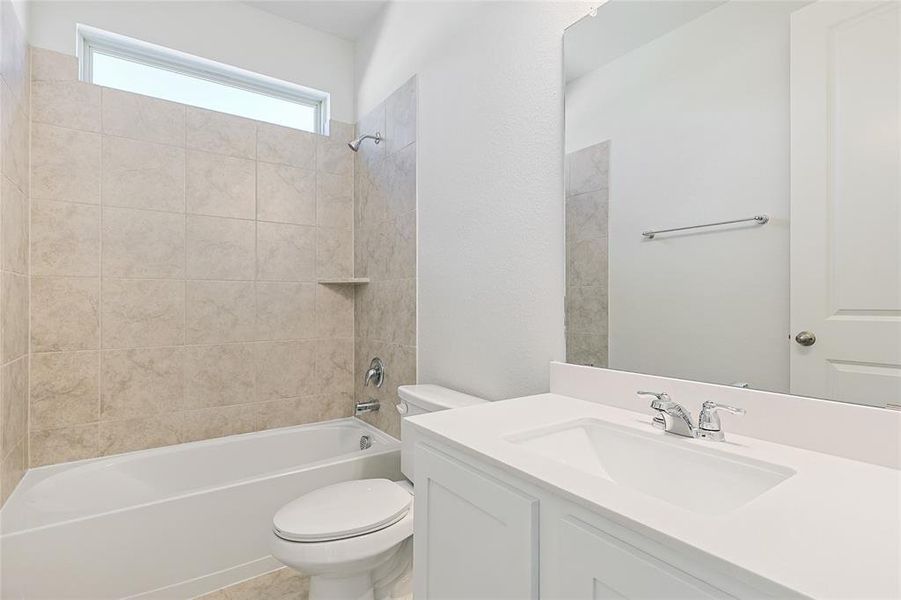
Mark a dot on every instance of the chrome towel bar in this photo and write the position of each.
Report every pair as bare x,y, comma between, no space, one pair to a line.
760,219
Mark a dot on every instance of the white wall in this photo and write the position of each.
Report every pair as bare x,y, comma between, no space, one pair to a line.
490,258
229,32
699,128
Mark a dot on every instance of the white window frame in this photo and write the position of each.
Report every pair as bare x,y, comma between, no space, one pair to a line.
90,39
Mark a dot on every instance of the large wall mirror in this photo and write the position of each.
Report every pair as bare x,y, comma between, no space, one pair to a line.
733,194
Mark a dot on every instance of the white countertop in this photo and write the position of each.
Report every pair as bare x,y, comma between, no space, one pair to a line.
832,530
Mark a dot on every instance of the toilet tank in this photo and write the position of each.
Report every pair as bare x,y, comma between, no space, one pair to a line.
420,399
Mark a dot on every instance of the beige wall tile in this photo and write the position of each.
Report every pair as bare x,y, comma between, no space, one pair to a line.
65,239
371,190
374,121
586,349
335,367
401,183
143,175
335,311
334,252
286,311
14,132
340,131
288,412
143,118
387,250
286,194
586,310
220,133
65,165
221,186
219,375
72,104
219,421
334,157
220,311
12,469
286,146
588,169
586,216
388,311
586,263
49,446
138,433
220,248
64,389
400,369
286,252
47,65
141,243
141,382
143,312
13,228
14,55
400,117
13,404
285,369
13,316
65,314
335,201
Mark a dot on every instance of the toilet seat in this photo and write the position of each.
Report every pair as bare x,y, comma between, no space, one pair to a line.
343,510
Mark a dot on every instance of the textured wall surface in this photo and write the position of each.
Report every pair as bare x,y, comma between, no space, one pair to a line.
385,251
176,253
587,204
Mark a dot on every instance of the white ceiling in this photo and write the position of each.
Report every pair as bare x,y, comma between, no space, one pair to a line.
347,19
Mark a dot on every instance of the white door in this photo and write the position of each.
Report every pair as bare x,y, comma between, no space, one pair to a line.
846,201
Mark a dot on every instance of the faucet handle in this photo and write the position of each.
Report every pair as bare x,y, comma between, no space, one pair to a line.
711,406
662,399
709,425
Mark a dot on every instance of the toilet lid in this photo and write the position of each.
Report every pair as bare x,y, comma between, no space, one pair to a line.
342,510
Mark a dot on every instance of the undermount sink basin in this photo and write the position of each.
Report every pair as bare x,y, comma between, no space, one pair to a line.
702,480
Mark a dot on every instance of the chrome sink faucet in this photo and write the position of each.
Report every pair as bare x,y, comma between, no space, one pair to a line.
675,418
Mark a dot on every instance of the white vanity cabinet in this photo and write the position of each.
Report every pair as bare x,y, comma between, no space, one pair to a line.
481,534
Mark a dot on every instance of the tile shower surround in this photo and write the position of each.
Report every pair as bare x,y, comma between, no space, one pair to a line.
175,253
14,260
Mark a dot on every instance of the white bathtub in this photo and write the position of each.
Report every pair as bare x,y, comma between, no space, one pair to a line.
172,522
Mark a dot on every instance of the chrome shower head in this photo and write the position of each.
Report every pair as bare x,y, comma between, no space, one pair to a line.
355,143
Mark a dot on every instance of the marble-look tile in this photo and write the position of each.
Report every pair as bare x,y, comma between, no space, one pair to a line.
338,130
387,311
14,132
387,250
334,157
220,186
72,104
13,228
138,433
207,423
586,310
65,314
335,201
143,175
65,239
220,311
220,133
334,252
64,389
286,194
143,312
335,311
65,165
286,311
286,252
305,409
370,193
143,118
286,146
12,469
285,369
219,375
14,55
13,316
141,243
13,404
586,216
141,382
335,367
50,446
220,248
589,169
586,263
374,121
47,65
400,117
400,197
400,369
586,349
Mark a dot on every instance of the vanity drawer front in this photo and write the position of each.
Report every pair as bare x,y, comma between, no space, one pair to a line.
592,563
476,537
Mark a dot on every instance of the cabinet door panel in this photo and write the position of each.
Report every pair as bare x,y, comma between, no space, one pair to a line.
475,536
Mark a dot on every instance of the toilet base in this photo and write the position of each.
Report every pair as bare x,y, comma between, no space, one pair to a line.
391,580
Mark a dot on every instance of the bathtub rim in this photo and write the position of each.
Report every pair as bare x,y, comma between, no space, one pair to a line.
386,444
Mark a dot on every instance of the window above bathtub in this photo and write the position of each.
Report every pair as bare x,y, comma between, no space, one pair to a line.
124,63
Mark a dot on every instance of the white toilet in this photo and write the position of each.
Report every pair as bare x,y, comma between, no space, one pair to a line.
355,538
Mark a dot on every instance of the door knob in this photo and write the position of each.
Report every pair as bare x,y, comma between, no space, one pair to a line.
806,338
